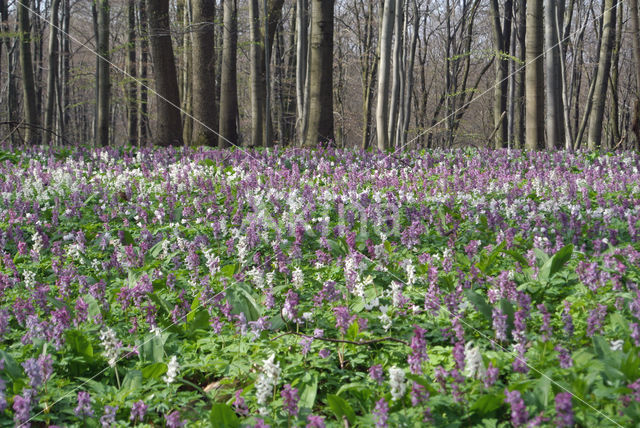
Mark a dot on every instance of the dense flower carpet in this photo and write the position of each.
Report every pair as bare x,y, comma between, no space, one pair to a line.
326,287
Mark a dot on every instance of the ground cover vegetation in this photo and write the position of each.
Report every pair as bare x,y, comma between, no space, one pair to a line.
318,288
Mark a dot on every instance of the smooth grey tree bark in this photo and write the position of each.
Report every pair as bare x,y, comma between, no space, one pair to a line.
302,48
31,118
601,83
534,91
52,73
382,108
553,15
169,123
104,82
132,86
635,39
258,81
228,82
143,117
502,38
320,125
396,72
204,73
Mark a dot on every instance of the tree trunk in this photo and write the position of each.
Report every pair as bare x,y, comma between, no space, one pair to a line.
49,118
554,9
520,119
132,90
32,135
602,78
635,38
502,39
406,107
204,72
104,83
614,122
320,126
258,82
185,80
382,109
64,92
228,83
302,46
143,117
169,124
534,77
396,72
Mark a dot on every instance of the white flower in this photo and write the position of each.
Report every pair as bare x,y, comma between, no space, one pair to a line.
474,366
386,322
397,382
111,345
172,370
298,278
266,381
616,345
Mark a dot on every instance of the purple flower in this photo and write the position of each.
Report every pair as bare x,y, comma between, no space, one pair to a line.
546,329
290,308
381,413
564,410
173,420
260,423
418,350
519,414
315,421
38,370
500,324
290,397
305,344
22,408
595,319
491,376
138,411
83,408
635,332
324,353
239,405
3,397
419,394
564,358
377,373
4,322
343,319
109,416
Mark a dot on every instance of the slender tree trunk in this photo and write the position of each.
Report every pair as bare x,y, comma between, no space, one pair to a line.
602,78
4,17
64,91
32,135
204,72
302,42
186,81
49,117
104,83
502,38
635,38
258,82
520,119
553,91
406,107
228,83
143,117
382,109
132,88
534,77
395,73
320,126
614,122
169,124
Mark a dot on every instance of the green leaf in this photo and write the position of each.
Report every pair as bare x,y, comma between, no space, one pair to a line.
309,391
132,381
222,416
601,347
517,257
79,343
488,403
341,408
10,365
555,263
154,370
228,270
352,332
480,303
153,349
241,300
